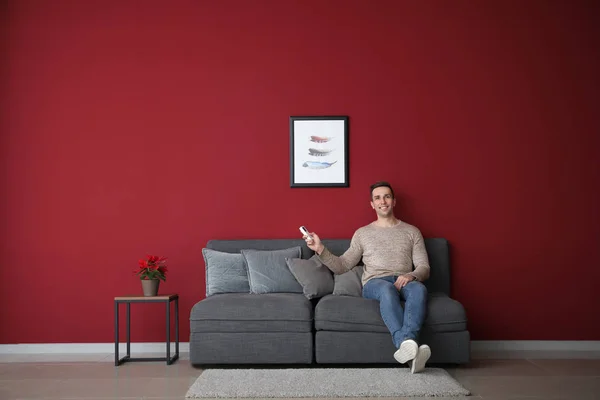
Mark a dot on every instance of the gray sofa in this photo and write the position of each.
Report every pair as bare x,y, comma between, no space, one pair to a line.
288,328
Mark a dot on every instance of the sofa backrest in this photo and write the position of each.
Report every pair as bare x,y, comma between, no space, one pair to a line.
437,251
234,246
439,261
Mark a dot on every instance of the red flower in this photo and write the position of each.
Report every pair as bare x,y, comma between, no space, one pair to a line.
154,267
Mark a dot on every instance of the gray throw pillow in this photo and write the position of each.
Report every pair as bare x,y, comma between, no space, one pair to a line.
349,283
316,279
268,271
225,272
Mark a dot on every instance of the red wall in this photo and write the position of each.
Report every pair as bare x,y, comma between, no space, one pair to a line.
134,127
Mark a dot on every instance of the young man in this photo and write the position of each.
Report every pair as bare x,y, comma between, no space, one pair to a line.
389,248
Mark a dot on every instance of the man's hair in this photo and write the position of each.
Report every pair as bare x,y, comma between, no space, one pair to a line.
381,184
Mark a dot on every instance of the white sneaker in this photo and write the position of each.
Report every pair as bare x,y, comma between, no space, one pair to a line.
418,364
407,351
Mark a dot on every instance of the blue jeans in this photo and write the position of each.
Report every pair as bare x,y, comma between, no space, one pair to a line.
402,323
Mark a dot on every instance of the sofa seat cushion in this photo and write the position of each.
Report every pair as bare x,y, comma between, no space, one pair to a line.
357,314
245,312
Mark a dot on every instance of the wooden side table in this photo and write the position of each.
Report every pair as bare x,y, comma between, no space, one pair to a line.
142,299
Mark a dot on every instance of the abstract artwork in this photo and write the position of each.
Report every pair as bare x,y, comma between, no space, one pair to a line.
319,151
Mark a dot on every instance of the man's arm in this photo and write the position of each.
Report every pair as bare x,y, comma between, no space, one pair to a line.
420,259
345,262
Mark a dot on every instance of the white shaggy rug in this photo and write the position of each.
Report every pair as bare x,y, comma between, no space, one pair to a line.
324,382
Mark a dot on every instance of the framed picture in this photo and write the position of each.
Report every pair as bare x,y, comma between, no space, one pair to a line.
319,151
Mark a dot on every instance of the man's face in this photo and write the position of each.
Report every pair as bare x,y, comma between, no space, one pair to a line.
382,201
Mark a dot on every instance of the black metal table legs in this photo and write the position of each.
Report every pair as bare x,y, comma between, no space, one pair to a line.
166,299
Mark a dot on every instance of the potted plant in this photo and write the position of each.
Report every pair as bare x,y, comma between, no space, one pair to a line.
152,271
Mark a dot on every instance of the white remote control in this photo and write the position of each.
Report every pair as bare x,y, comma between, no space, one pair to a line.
305,232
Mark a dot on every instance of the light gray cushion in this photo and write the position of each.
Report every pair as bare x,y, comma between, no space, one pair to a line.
225,272
268,271
349,283
316,279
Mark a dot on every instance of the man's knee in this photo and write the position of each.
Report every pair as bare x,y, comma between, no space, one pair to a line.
417,290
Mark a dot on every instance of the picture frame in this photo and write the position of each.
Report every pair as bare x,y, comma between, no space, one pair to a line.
319,151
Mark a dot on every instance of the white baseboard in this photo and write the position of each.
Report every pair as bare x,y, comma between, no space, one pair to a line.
184,347
88,348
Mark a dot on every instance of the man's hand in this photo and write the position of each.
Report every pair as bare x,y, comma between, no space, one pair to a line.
315,243
403,280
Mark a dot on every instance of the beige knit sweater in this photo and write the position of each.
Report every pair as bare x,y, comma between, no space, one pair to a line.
384,251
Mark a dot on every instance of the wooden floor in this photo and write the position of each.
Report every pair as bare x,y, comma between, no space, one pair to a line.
535,375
